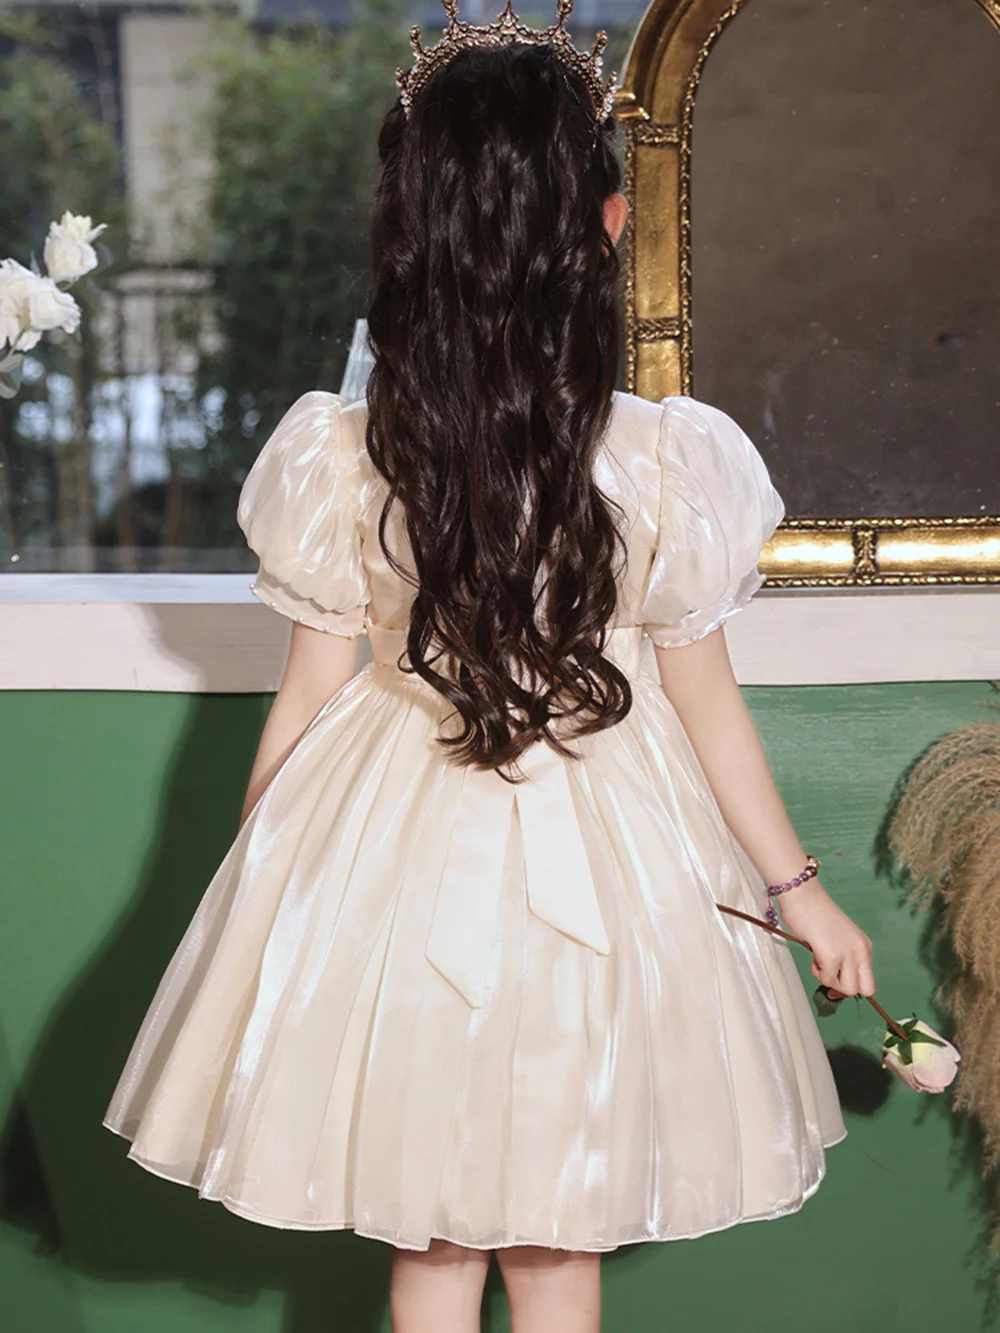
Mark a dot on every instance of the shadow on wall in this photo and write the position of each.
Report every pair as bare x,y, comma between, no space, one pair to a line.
66,1179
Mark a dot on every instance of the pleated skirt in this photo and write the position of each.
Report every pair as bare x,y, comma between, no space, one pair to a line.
417,1002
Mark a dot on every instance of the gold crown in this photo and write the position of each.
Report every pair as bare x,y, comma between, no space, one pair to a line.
507,31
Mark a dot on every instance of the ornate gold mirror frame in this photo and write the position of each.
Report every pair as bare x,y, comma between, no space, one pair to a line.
656,107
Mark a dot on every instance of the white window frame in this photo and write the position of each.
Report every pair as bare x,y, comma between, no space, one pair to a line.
207,634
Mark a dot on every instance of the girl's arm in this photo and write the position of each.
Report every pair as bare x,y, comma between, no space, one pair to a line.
318,666
698,680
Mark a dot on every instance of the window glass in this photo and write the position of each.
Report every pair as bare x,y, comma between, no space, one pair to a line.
229,158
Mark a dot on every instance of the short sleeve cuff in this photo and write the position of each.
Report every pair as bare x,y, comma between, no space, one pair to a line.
279,597
699,624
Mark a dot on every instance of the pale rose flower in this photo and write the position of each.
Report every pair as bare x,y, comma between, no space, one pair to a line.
68,250
16,282
933,1067
51,308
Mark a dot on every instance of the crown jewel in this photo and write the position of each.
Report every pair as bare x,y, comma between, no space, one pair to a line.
508,31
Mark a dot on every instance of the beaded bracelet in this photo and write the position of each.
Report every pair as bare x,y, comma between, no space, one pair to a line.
812,867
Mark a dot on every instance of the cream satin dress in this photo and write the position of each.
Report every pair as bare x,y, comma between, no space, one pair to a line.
419,1002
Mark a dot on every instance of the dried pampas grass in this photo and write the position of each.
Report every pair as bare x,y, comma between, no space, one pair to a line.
945,833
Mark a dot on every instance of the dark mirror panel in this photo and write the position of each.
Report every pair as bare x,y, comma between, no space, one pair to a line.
846,238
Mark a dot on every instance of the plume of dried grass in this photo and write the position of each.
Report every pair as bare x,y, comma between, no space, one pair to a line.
945,833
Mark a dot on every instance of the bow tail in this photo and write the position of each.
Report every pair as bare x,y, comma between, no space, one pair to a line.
560,883
467,911
561,888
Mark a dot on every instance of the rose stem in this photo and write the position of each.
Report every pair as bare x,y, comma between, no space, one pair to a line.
766,925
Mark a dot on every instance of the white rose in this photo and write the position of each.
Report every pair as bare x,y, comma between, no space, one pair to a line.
31,305
51,308
15,283
68,250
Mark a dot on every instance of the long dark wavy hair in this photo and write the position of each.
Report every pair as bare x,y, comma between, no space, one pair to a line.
495,327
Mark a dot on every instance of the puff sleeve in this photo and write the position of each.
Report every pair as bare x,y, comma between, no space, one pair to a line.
717,510
299,509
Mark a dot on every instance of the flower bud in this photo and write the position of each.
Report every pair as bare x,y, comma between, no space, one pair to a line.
68,250
926,1061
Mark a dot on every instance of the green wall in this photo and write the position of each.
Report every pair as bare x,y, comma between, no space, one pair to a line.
116,809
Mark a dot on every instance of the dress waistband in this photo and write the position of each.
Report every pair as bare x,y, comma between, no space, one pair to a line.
622,646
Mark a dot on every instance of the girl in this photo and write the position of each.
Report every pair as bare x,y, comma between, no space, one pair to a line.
461,982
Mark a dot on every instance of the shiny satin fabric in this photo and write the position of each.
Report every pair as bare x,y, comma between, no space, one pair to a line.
694,502
419,1002
307,1064
559,881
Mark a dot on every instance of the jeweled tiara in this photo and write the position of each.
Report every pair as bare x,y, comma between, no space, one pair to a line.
508,31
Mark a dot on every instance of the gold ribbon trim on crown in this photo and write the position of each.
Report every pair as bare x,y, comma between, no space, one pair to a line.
508,31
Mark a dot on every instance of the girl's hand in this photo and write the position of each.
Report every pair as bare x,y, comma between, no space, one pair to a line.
842,952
